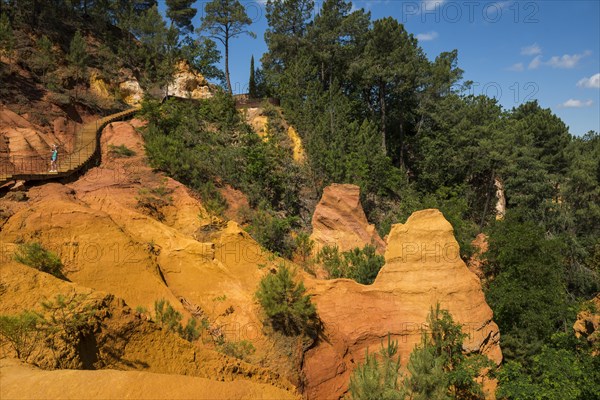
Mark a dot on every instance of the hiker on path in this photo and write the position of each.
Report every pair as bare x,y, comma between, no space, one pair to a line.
54,158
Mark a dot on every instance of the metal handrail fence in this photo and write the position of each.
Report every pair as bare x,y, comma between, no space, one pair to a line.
37,167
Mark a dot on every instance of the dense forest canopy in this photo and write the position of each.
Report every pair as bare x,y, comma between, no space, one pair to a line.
374,111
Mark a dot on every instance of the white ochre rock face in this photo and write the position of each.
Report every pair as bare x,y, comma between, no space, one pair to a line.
188,83
422,267
131,91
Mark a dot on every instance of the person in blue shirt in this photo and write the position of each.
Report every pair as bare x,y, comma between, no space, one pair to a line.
54,159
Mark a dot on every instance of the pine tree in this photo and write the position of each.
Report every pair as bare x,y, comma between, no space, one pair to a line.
7,40
181,13
78,58
252,84
378,379
427,379
286,304
44,59
225,20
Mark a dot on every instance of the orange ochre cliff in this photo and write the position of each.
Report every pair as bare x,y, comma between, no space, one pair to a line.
129,236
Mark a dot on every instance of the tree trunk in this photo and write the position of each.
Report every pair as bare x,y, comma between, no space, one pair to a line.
487,200
227,63
383,116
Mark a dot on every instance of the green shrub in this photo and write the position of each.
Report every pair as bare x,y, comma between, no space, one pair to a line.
273,232
361,265
36,256
170,319
22,332
242,349
378,378
166,316
120,151
304,246
192,330
67,320
152,201
285,303
212,200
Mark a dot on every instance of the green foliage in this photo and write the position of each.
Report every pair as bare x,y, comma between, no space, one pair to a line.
156,54
192,330
304,246
212,200
207,143
67,321
285,303
527,292
273,232
438,368
36,256
242,349
120,151
564,369
362,265
44,59
252,90
7,38
202,54
22,332
224,20
166,316
152,201
378,378
141,310
78,57
427,378
169,319
181,13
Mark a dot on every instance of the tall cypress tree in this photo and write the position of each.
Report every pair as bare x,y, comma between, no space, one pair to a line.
252,92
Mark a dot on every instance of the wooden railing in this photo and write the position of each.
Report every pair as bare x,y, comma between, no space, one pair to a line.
37,167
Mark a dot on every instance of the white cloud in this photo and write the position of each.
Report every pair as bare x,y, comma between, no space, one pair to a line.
593,82
566,61
532,50
424,37
518,67
572,103
535,63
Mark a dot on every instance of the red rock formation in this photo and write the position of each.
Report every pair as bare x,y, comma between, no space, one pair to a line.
423,267
339,220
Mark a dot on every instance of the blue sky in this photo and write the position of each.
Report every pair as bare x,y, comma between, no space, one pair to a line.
513,50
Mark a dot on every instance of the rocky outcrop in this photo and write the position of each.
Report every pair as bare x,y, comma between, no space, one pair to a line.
339,220
25,382
25,141
188,83
500,199
131,92
123,229
297,148
99,86
120,339
423,267
587,325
